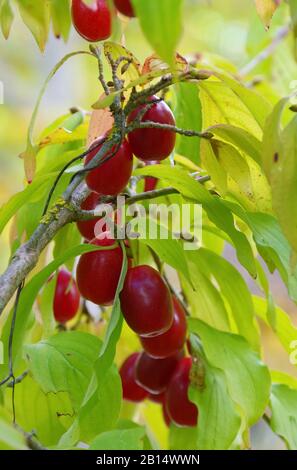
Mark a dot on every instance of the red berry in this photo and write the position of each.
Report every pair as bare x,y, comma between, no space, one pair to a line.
93,22
125,7
153,144
150,183
173,340
112,177
67,298
87,227
98,273
154,374
166,415
180,409
131,390
146,302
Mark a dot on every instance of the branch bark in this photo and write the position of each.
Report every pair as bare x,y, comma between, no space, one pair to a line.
67,209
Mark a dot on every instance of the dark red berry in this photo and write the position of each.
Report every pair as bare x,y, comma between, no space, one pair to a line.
87,227
153,144
150,182
112,177
166,416
173,340
131,390
67,298
98,272
93,22
146,301
154,374
125,7
181,411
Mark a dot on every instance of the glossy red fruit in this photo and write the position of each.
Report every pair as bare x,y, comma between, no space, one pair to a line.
181,411
67,298
98,273
87,227
154,374
125,7
173,340
153,144
166,415
146,302
112,177
93,22
131,390
150,183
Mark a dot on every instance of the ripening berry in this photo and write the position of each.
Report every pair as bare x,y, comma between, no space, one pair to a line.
93,22
153,144
131,390
67,298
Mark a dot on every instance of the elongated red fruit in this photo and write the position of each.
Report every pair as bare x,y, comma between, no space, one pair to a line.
111,177
67,298
154,374
93,22
172,340
131,390
180,409
153,144
87,227
146,302
98,272
125,7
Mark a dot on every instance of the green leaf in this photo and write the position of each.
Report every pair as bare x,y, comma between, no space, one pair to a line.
205,300
240,138
234,290
61,18
36,16
284,414
188,115
28,297
220,216
68,236
284,183
218,421
64,363
48,414
284,328
247,378
6,17
211,163
271,243
161,23
10,438
182,438
120,439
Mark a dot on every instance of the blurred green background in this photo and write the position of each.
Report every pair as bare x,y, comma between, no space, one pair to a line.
215,30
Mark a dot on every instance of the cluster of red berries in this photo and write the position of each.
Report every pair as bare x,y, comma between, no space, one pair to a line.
94,22
98,272
161,372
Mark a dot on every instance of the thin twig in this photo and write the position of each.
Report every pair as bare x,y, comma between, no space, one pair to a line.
265,53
